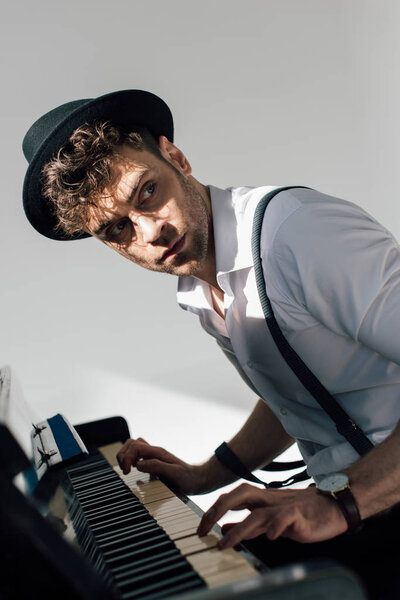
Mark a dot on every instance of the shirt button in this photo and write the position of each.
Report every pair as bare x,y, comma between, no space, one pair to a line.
250,364
283,412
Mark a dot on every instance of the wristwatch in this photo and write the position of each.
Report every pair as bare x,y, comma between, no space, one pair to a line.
336,485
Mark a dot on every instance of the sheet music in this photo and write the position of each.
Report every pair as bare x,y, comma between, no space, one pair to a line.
14,411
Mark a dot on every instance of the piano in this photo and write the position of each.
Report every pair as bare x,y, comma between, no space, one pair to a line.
72,526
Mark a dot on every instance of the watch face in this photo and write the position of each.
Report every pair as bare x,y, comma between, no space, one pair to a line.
333,482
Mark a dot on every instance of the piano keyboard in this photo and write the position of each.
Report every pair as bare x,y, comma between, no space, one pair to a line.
216,567
141,537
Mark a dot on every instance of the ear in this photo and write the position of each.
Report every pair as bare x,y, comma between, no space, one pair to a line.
173,155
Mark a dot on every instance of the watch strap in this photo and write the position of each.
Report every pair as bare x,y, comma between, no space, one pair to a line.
348,505
349,508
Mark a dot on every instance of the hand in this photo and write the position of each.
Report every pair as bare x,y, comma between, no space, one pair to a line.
182,477
302,515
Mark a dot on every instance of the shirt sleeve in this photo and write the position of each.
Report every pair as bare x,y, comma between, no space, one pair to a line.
336,262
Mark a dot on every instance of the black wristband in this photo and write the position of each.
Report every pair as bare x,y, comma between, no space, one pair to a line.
229,459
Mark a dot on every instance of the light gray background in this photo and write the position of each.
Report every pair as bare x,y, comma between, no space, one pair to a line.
263,92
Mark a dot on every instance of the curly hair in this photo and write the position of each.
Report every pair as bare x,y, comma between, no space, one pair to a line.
79,173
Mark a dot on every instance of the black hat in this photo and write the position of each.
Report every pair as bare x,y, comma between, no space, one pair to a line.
52,131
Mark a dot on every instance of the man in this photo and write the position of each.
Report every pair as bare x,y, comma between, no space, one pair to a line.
108,168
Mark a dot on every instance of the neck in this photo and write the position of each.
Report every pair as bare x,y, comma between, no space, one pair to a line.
208,272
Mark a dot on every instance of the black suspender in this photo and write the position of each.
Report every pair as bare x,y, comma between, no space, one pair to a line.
344,424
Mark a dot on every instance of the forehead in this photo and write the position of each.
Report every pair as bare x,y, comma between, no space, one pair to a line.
127,168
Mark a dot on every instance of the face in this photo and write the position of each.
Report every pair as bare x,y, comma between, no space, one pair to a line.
154,214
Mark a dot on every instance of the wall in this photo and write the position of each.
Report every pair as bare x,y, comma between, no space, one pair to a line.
263,92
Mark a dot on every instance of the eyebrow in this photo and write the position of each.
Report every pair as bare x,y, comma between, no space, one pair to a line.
132,193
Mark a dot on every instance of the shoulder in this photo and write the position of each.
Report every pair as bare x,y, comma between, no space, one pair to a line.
329,255
302,217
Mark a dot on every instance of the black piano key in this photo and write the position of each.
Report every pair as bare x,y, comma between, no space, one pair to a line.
119,500
78,520
98,490
163,557
111,538
174,590
130,524
152,551
96,485
91,481
86,468
140,532
104,500
89,474
154,568
92,509
117,511
88,484
103,510
115,554
121,538
165,585
160,574
93,474
118,519
136,539
142,551
123,510
112,497
111,524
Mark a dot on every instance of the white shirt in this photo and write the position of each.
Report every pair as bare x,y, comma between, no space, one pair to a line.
332,275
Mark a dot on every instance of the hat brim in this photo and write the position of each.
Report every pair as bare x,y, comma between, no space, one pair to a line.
126,108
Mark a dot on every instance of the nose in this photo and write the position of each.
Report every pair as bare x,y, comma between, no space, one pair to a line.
150,228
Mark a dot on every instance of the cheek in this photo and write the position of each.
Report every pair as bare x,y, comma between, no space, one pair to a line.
136,255
126,252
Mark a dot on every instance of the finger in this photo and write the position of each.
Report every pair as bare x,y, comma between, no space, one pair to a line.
143,440
130,453
227,526
157,467
134,450
122,451
244,496
250,527
148,451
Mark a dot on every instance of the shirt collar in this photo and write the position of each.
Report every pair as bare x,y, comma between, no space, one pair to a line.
233,212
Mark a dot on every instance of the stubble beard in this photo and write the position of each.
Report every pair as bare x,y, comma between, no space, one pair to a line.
189,262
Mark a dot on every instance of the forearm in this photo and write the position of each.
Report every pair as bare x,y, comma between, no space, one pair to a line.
375,478
259,441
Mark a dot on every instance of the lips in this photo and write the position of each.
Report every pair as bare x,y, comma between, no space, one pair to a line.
174,249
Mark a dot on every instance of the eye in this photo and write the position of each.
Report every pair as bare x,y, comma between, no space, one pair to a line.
121,231
148,191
